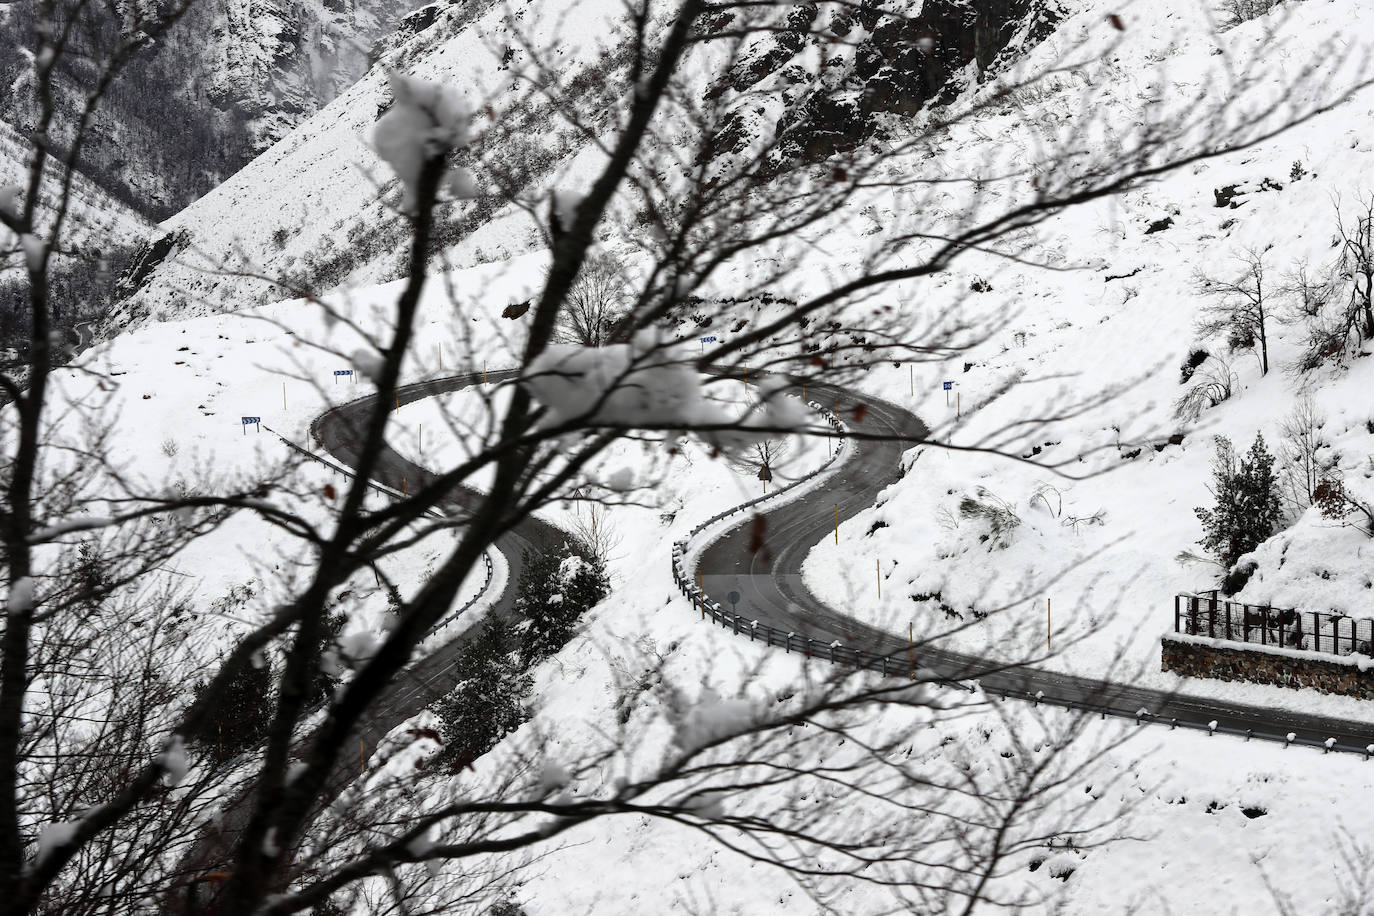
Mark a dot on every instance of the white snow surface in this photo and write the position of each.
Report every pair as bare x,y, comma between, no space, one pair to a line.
1215,825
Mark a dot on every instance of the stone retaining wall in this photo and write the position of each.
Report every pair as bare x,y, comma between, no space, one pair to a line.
1201,657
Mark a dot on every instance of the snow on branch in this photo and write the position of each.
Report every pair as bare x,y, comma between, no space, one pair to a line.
648,384
426,120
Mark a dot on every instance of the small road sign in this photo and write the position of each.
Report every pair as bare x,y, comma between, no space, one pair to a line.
247,420
343,371
708,340
948,385
733,598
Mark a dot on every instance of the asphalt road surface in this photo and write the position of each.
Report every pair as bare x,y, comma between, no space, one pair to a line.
770,585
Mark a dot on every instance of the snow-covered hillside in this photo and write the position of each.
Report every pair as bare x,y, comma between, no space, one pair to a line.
98,231
1105,506
227,82
315,211
1104,499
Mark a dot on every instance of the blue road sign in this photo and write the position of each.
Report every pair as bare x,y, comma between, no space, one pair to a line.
343,371
733,598
708,340
949,385
247,420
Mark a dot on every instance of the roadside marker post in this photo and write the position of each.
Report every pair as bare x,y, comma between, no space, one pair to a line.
283,395
911,649
701,596
339,372
1049,626
837,523
705,341
253,420
878,571
948,386
911,371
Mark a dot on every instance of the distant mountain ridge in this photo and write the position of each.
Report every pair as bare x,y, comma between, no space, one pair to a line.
228,82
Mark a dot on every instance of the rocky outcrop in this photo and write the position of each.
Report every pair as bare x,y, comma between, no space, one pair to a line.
902,63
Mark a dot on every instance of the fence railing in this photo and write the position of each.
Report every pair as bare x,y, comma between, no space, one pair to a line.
1209,615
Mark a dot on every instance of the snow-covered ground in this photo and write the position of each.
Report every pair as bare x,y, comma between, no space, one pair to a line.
1105,502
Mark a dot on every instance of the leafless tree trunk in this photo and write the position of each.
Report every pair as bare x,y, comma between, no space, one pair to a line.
596,303
1302,440
1241,308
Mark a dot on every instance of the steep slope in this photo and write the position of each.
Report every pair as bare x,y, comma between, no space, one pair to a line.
229,81
1102,339
316,211
100,231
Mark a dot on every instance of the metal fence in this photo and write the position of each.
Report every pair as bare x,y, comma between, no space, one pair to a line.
1207,614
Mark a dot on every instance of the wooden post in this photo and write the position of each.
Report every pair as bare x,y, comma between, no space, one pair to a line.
700,596
283,395
1049,625
959,404
911,649
422,439
837,523
362,758
911,370
441,356
403,485
879,571
484,372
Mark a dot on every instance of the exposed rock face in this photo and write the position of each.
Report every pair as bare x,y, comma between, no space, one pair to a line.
231,79
901,65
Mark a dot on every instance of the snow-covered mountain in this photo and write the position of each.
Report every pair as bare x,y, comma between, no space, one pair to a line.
1111,307
100,234
315,210
229,81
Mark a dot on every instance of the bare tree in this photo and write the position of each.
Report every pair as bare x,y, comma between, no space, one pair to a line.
596,302
103,808
1241,309
1209,385
1357,266
1335,306
1301,443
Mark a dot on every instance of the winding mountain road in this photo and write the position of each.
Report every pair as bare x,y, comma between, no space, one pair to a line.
772,592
